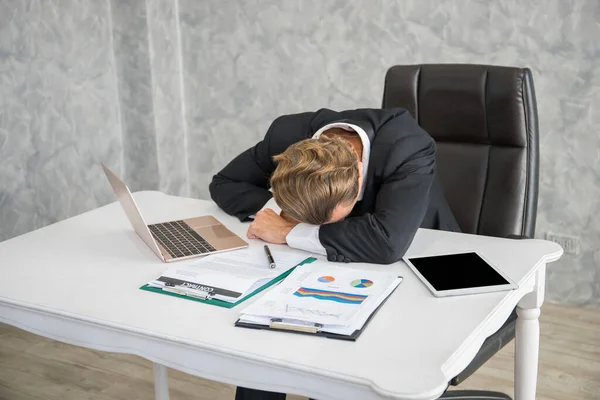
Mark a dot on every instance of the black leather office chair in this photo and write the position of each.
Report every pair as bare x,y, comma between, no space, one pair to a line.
484,121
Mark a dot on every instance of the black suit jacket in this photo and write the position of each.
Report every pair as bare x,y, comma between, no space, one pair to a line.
401,193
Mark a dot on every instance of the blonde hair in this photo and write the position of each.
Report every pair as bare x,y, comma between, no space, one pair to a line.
313,176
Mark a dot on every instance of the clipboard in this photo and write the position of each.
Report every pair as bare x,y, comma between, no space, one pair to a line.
278,325
221,303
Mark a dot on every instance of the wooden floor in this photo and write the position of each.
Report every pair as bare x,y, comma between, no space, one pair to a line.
32,367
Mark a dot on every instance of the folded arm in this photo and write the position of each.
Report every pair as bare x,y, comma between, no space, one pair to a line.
242,187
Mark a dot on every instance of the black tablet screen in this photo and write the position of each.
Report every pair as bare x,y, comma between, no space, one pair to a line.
457,271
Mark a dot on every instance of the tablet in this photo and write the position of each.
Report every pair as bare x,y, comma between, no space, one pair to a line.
459,274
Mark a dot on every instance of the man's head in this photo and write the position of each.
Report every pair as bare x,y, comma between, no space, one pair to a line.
317,181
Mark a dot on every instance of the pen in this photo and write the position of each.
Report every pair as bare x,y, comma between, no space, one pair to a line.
270,257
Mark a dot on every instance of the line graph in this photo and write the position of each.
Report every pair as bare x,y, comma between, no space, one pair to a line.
289,308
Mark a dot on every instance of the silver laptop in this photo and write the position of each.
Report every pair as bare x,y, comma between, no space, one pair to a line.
176,240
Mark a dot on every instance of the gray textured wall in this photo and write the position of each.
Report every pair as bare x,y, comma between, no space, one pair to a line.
168,91
58,111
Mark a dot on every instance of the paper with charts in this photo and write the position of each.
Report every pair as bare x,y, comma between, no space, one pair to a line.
340,299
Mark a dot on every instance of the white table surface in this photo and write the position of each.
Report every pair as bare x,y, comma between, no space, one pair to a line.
78,281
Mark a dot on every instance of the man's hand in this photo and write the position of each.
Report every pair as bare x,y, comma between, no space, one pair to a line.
270,227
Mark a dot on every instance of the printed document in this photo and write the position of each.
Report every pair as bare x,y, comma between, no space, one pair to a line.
231,275
337,299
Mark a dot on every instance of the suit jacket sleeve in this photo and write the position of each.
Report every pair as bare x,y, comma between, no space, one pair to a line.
242,187
384,236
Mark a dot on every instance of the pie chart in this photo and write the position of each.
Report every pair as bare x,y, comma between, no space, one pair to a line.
361,283
326,279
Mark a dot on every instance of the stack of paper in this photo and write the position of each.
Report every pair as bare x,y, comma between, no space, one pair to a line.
228,276
331,299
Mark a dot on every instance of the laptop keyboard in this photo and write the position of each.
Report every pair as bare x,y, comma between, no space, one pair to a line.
179,239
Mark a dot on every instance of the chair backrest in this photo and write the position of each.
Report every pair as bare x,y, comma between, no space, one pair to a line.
484,121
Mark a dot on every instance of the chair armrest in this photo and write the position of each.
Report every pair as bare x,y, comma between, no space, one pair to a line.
518,237
490,346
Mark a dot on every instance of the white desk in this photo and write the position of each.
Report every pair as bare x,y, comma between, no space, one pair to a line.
77,282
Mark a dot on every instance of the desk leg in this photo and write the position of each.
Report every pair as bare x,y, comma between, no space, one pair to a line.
161,382
526,353
527,340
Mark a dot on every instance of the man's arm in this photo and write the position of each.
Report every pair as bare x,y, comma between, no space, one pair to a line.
242,187
384,236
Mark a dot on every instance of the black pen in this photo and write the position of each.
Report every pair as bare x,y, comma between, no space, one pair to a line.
270,257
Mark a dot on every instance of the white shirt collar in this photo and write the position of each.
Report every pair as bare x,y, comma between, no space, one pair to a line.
365,142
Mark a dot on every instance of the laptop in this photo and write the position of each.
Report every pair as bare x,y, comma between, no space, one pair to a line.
176,240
